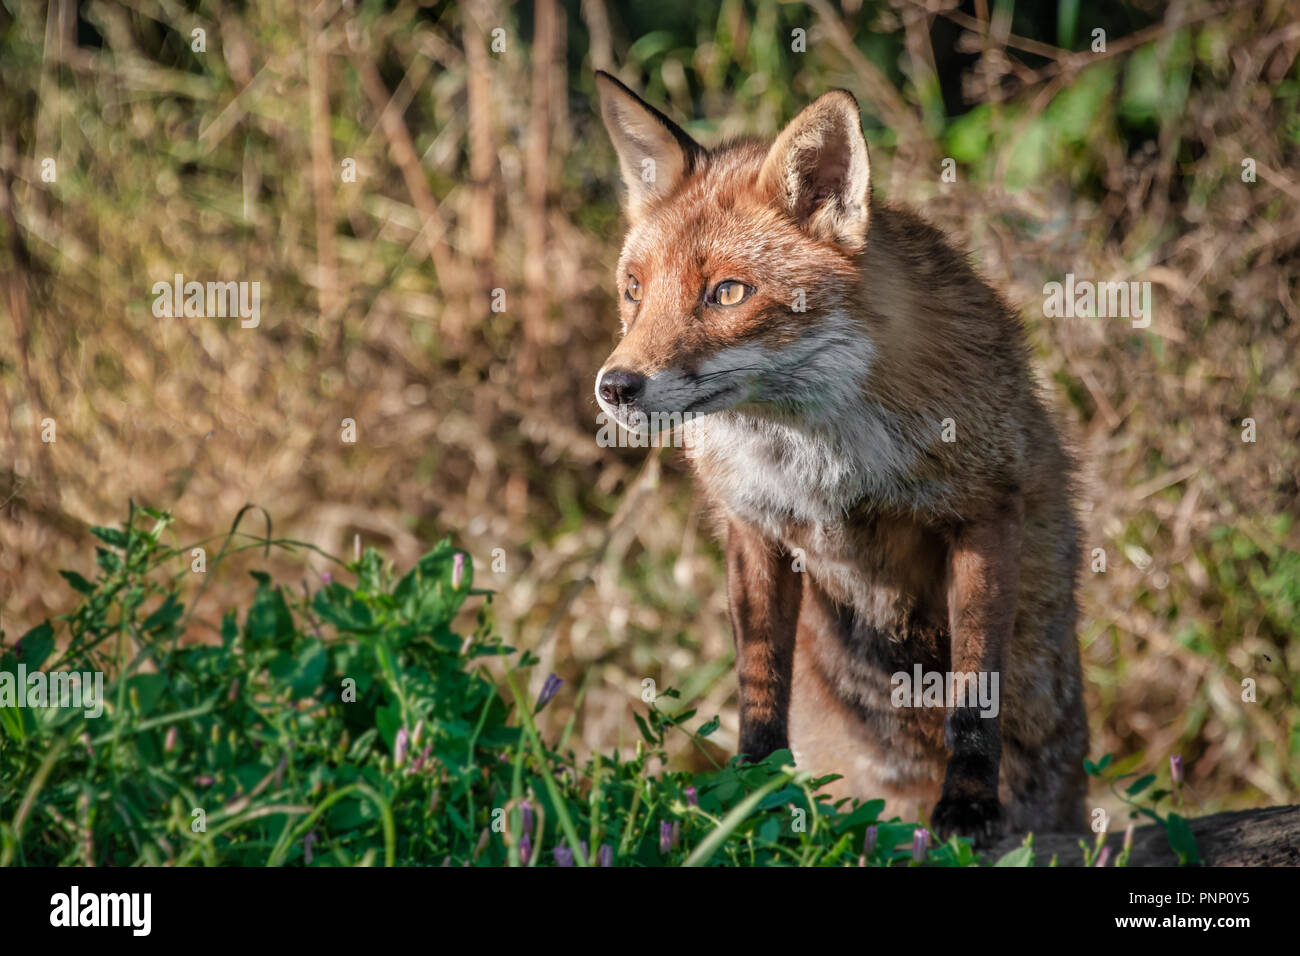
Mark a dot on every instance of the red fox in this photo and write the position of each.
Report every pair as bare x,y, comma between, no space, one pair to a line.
896,499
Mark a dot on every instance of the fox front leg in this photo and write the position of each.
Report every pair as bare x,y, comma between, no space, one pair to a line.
763,593
982,593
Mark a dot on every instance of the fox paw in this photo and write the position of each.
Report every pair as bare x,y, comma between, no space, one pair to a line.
978,817
758,742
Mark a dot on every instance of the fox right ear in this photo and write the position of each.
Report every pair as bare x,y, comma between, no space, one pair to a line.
654,153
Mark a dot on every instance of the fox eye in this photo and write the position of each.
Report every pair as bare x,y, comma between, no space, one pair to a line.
633,293
731,292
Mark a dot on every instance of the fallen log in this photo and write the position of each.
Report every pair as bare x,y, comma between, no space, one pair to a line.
1263,837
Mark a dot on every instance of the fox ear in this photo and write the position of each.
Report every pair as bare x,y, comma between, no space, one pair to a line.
819,172
654,153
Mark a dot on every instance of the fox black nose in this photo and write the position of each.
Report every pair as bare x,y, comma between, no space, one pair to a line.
621,387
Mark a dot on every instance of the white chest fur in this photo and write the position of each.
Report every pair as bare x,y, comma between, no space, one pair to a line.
773,473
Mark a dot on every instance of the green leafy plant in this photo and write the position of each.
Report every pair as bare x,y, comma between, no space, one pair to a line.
1181,839
353,725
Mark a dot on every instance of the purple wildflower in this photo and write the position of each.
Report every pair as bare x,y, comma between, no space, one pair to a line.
525,848
605,855
665,837
422,759
692,797
549,689
457,569
1176,769
869,842
563,856
400,747
920,843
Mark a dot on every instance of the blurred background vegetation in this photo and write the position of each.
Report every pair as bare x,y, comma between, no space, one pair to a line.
481,165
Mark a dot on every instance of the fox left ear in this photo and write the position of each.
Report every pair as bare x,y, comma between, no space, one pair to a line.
819,172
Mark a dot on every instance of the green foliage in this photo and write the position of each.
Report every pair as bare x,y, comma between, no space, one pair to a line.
354,725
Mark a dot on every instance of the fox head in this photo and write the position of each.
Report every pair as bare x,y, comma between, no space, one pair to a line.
739,275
